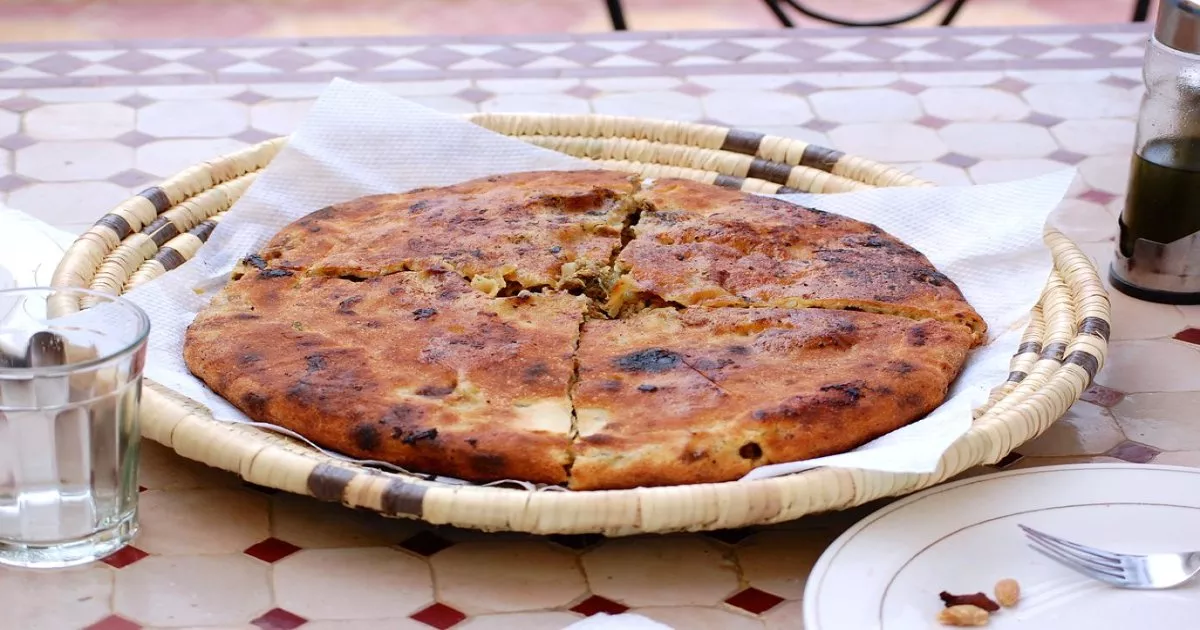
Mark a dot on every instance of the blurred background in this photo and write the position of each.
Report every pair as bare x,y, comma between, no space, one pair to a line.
34,20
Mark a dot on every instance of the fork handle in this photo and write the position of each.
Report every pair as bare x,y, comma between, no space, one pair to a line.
1192,561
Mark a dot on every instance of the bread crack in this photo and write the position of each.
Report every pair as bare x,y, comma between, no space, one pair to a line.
572,385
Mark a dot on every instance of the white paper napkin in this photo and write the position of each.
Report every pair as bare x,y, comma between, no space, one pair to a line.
358,141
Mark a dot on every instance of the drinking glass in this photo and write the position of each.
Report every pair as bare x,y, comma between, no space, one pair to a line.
70,384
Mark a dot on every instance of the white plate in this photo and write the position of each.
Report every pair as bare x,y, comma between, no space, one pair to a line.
886,572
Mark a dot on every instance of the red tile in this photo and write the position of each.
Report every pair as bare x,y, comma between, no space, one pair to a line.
1103,396
1067,157
426,543
113,622
1134,452
933,122
1097,196
959,160
271,550
1191,335
754,601
279,619
124,557
1042,120
142,488
439,616
596,604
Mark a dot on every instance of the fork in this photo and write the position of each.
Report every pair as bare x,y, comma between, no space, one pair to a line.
1151,571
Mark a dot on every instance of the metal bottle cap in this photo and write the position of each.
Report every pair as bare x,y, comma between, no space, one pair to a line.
1178,25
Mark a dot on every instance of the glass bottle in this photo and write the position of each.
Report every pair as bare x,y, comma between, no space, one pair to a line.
1158,250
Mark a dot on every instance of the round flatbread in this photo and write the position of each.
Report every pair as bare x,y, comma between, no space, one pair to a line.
583,328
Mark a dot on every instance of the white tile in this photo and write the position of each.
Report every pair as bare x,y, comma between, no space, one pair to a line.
64,598
1084,221
700,618
995,171
741,82
1085,429
756,108
974,104
73,161
998,140
193,119
526,86
847,79
1064,76
779,562
539,103
935,79
786,616
633,84
280,117
78,121
940,174
889,142
865,105
168,157
1165,421
1191,459
549,620
1152,366
10,123
82,94
193,590
662,105
1103,136
1081,101
191,92
446,104
645,572
424,88
68,202
1109,173
394,623
483,577
196,522
329,583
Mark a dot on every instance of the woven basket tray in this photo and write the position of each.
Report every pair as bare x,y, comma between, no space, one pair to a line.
158,230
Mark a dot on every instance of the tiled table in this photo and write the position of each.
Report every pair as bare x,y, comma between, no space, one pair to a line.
82,126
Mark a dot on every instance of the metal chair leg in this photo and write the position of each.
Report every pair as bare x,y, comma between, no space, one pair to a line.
1141,10
617,13
783,18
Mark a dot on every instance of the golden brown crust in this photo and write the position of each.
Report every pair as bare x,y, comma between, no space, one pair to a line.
702,247
413,368
563,229
700,395
396,328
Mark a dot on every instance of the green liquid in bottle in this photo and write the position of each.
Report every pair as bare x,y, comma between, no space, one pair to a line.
1163,203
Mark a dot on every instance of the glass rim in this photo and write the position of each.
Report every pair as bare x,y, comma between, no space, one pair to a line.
139,339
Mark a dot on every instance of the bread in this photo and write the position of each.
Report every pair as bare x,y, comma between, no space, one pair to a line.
585,329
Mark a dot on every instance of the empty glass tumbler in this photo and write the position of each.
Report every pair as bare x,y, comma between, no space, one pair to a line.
70,384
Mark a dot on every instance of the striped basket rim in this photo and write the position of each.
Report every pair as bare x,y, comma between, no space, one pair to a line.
1063,347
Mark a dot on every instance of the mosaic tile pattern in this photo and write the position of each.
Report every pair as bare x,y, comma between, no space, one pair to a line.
240,556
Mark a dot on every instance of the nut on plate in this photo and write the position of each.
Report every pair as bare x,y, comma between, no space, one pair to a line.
963,615
1008,592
